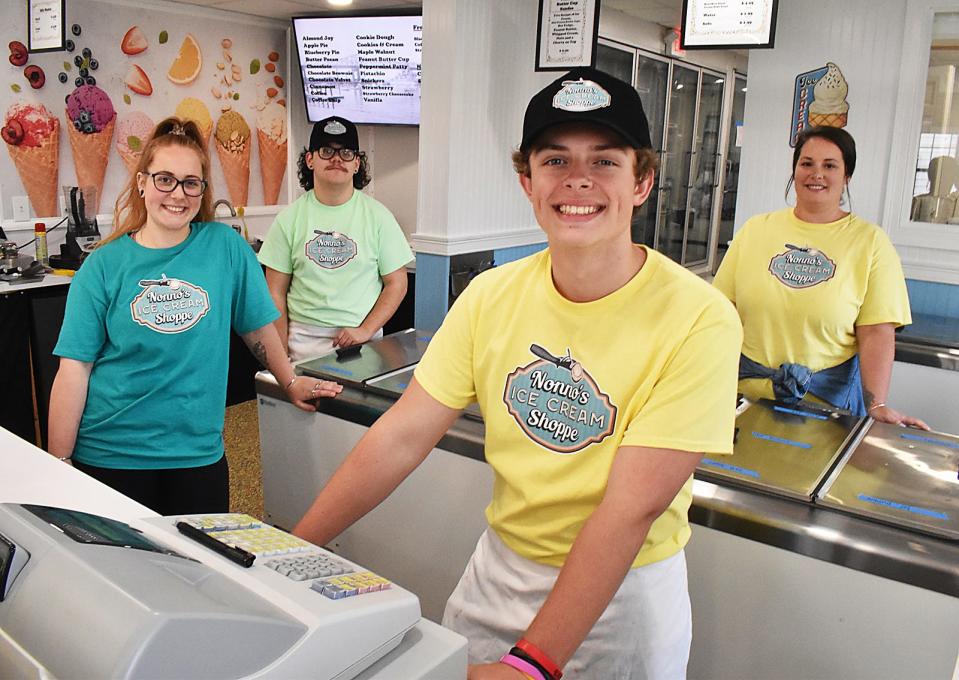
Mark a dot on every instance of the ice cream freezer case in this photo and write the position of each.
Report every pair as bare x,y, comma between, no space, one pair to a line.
782,449
904,477
360,364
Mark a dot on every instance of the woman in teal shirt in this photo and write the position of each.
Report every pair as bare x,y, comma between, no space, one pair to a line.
139,398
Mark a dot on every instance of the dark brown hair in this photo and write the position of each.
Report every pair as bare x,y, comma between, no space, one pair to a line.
647,160
130,212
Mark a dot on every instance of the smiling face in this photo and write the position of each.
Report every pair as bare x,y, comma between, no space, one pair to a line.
171,211
332,172
583,188
819,176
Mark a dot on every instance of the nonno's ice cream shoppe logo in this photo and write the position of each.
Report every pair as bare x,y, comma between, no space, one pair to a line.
169,305
330,249
558,404
800,267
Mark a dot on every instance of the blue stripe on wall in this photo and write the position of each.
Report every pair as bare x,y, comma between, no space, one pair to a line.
504,255
930,297
432,290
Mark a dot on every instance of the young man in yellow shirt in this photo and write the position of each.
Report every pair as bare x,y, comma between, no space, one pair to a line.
604,371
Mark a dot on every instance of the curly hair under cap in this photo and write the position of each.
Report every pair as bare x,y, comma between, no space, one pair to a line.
305,174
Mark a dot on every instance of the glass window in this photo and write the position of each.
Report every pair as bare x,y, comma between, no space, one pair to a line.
935,182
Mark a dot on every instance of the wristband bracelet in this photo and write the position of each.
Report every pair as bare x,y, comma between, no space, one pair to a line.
524,667
290,384
63,459
540,658
879,405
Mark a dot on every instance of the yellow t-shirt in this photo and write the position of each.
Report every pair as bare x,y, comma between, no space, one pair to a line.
563,385
802,288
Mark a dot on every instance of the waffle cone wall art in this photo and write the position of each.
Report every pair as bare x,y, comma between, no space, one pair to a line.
83,115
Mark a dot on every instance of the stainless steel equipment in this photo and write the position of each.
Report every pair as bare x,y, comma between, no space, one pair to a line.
357,365
784,450
900,476
394,384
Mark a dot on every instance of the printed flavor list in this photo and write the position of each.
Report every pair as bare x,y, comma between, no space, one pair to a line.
364,70
566,35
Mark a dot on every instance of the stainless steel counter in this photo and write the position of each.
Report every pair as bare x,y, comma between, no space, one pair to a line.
799,526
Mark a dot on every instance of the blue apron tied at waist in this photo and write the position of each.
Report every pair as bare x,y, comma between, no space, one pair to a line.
840,385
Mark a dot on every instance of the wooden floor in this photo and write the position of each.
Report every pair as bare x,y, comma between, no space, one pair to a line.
241,436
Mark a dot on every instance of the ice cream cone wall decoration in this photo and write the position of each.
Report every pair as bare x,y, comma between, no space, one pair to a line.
819,99
32,137
90,122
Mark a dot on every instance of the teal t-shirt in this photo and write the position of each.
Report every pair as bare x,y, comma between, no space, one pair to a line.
155,323
336,255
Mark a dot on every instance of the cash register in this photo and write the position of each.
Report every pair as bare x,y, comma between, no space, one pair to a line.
87,596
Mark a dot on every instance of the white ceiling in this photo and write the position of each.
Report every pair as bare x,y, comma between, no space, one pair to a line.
665,12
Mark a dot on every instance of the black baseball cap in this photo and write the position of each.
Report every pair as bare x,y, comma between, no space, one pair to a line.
588,95
337,130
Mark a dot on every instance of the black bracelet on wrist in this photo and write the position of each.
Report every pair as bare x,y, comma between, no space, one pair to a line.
517,652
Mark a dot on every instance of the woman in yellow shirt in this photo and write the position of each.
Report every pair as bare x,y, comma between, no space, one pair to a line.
820,291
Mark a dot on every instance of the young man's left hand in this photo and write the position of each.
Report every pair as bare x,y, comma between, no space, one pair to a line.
493,671
351,336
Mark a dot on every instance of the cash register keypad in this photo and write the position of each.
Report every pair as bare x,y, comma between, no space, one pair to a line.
289,555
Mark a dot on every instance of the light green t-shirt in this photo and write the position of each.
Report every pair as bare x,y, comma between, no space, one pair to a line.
336,256
564,385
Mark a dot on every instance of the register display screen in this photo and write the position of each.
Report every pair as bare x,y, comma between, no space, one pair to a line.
83,527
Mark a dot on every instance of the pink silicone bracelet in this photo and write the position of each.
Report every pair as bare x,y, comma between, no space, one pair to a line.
522,666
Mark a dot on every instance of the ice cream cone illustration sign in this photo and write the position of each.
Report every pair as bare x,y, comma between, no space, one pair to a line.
819,99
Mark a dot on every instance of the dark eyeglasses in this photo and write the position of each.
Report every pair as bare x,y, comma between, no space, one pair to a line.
167,183
327,152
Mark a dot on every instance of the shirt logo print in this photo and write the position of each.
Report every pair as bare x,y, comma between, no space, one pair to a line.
330,249
558,404
802,267
169,305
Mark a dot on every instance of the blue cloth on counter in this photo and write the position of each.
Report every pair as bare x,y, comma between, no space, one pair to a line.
840,385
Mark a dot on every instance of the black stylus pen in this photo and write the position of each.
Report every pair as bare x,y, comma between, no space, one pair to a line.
238,555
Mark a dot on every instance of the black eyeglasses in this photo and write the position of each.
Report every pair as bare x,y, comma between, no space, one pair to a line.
327,152
167,183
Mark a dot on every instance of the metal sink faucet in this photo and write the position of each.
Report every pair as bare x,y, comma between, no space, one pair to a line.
225,202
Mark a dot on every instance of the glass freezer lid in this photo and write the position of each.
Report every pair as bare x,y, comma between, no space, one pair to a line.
394,384
783,449
901,476
355,366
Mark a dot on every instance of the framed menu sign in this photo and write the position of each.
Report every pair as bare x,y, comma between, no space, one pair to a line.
723,24
566,34
46,25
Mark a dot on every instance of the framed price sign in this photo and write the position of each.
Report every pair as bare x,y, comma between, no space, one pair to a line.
724,24
46,25
566,34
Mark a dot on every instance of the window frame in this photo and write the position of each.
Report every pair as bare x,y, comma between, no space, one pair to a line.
927,250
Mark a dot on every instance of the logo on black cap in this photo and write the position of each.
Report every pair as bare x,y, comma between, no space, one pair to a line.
581,95
588,95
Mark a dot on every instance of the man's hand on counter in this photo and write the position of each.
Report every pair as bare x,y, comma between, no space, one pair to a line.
304,392
352,336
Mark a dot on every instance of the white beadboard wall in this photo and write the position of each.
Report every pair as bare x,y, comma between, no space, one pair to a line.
478,77
477,80
865,39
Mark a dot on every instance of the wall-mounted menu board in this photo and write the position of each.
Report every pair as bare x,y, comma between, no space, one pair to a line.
363,68
723,24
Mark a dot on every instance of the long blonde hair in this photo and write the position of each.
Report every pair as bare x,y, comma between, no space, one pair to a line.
130,212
